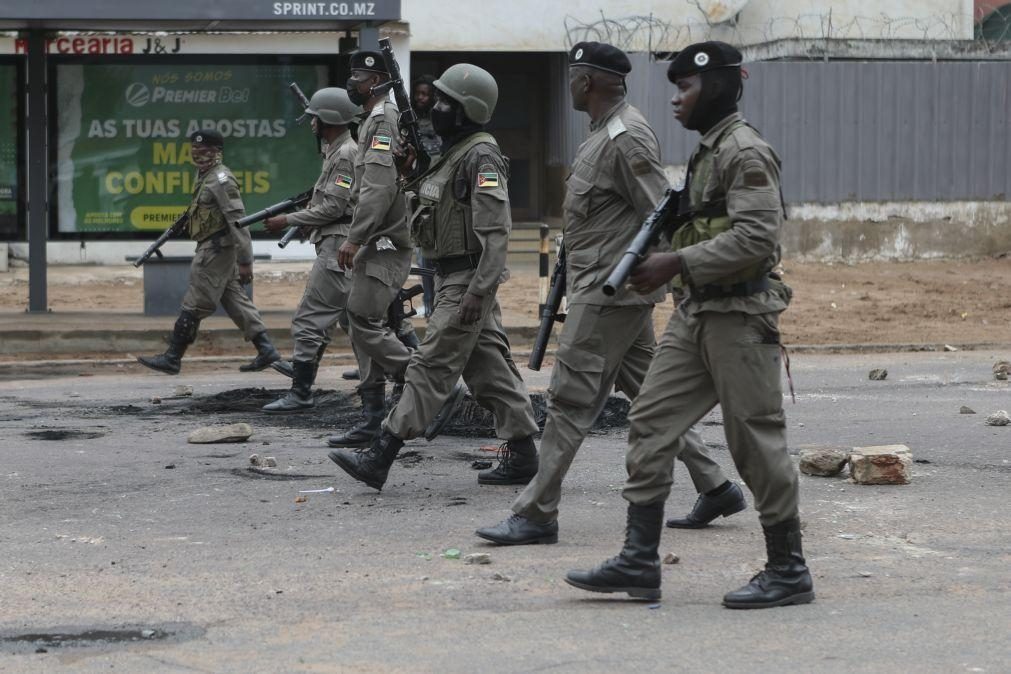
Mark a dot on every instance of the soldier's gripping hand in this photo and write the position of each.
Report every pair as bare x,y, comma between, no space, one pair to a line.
346,255
404,156
470,309
276,223
245,274
654,271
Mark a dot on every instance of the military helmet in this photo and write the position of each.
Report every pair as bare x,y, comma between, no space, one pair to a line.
333,106
474,88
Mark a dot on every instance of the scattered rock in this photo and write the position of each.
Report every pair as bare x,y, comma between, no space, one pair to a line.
183,391
949,348
823,461
269,462
998,418
500,576
451,553
671,558
301,499
966,410
255,460
477,558
864,574
1001,369
170,466
212,434
883,464
155,400
877,374
147,634
480,464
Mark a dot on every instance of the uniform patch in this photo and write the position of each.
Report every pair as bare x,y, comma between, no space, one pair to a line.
615,127
342,181
487,179
640,167
222,177
381,142
755,178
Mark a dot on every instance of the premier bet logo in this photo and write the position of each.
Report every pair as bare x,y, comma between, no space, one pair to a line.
138,94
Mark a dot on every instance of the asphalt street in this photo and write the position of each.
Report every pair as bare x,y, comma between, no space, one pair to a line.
150,554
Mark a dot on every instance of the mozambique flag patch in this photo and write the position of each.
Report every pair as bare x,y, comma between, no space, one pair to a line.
381,142
487,179
343,181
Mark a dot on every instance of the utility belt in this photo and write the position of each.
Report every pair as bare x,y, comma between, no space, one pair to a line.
713,291
343,220
445,266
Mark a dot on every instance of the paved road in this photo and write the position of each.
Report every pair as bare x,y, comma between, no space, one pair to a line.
100,534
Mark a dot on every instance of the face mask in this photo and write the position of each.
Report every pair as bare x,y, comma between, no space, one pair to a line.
205,158
356,96
443,120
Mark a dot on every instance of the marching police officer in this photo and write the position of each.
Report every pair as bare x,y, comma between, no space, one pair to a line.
723,348
606,342
463,228
223,261
328,219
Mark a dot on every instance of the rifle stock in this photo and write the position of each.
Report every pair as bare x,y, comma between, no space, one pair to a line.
550,313
402,306
660,219
174,229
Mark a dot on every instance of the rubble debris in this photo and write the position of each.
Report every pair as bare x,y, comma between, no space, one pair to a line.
480,464
998,418
823,461
451,553
183,391
211,434
966,410
882,464
301,499
255,460
477,558
1001,369
269,462
949,348
502,577
671,558
155,400
877,374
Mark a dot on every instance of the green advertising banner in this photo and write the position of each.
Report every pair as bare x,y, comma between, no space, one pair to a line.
8,150
123,157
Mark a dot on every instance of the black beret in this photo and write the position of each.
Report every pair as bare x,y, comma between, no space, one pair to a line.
207,137
601,56
703,56
370,61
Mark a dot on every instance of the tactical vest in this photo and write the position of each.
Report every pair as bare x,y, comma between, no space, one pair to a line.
710,218
205,220
442,225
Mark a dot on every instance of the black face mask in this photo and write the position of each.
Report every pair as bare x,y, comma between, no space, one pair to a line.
443,121
356,97
721,90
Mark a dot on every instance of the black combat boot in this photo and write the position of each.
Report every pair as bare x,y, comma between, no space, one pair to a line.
636,570
371,465
785,579
300,396
265,354
517,463
183,334
373,413
519,530
725,500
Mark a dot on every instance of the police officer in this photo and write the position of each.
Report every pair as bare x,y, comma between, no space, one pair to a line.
327,219
222,264
422,100
377,248
462,226
605,342
725,346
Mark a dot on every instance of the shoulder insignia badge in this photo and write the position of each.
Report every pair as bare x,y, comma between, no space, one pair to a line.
343,181
381,142
487,179
222,177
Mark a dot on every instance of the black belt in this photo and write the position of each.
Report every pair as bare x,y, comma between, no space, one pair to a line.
712,291
445,266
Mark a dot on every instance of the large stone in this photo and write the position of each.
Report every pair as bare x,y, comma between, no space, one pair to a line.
883,464
823,461
212,434
1001,369
998,418
878,374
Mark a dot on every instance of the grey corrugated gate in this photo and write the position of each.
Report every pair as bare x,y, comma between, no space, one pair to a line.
856,131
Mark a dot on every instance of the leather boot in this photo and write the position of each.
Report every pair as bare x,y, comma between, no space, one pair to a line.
636,570
785,580
300,396
284,367
373,413
183,334
707,508
519,530
265,354
371,465
517,463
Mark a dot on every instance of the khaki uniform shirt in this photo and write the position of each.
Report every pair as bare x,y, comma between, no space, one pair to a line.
616,181
218,188
329,209
380,204
746,173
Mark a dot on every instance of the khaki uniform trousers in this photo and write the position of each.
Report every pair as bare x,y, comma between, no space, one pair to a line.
728,358
323,304
600,347
478,352
377,278
214,280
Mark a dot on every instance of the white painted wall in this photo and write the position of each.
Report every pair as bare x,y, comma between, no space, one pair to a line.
546,25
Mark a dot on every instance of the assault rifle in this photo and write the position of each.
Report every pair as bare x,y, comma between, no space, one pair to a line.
286,206
174,229
408,120
664,219
402,306
550,312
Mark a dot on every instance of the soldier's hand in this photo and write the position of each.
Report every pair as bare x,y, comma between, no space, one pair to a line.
405,156
245,274
470,309
346,255
654,271
276,223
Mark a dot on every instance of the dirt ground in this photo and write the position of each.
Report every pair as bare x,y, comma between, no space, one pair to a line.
927,302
